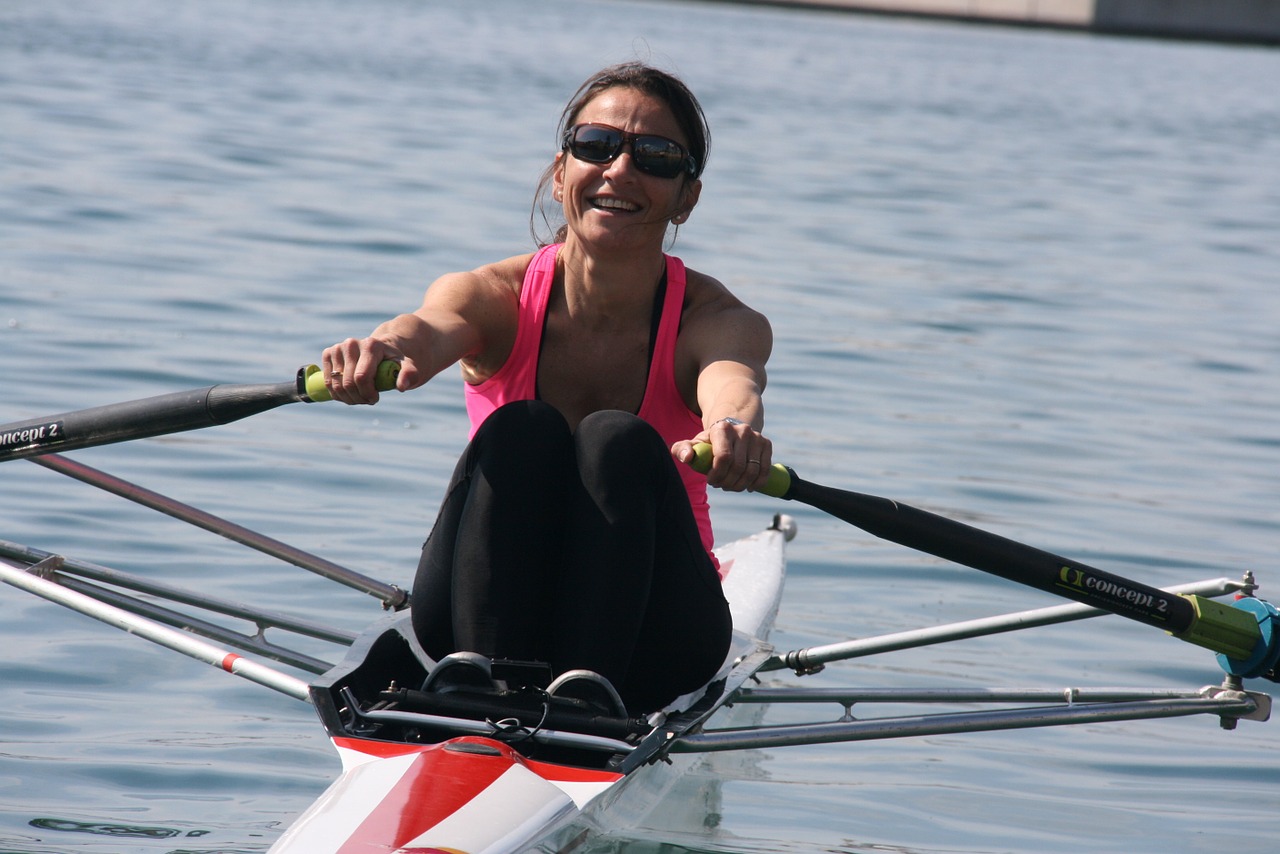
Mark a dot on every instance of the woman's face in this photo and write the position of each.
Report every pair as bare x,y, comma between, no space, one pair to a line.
615,204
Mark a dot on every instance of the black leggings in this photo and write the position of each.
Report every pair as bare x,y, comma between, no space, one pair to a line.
574,548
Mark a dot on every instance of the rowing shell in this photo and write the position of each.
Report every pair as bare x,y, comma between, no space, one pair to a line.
416,781
499,766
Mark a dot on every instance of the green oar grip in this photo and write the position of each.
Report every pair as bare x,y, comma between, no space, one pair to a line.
311,381
778,484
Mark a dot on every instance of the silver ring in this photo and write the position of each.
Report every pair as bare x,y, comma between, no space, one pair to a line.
749,462
335,374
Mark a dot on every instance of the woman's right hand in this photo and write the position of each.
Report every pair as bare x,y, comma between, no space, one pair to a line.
350,366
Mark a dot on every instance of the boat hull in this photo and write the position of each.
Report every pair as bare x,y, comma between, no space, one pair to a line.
451,796
472,794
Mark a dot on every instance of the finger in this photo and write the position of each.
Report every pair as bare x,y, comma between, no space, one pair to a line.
751,468
407,379
339,365
729,467
749,462
759,464
331,362
362,376
682,451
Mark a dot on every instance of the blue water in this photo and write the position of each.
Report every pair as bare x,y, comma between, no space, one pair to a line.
1026,279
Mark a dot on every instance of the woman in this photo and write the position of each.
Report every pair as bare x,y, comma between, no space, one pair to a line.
569,534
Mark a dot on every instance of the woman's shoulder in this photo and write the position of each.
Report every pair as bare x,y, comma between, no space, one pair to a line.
506,274
485,301
716,326
497,280
708,300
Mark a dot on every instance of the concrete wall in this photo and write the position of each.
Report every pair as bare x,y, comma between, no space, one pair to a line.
1228,20
1063,12
1251,20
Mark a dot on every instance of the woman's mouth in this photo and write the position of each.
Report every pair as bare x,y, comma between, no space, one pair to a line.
612,204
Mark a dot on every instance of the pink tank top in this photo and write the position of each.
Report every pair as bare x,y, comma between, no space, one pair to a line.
662,407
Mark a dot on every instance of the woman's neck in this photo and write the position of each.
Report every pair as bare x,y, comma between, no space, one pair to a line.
609,285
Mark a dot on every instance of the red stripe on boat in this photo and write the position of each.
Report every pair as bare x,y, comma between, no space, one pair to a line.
569,774
380,749
438,784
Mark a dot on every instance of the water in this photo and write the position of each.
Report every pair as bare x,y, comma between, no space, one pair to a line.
1026,279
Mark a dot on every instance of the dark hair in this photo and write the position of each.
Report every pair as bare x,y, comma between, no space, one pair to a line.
648,80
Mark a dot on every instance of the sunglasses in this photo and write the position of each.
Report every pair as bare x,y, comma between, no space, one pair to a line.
653,155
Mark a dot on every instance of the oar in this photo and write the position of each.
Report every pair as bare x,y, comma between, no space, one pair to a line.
390,595
1246,636
166,413
33,581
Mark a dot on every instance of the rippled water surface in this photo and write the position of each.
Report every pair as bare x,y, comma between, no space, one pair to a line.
1026,279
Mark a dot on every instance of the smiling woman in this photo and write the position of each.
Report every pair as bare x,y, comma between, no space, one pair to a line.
574,532
658,155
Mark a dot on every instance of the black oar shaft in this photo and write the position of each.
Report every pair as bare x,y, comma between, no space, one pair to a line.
167,413
139,419
973,547
1248,637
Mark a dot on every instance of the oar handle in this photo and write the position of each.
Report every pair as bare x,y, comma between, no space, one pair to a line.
311,381
778,484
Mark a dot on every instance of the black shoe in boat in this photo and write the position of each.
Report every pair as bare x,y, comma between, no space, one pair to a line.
460,671
591,690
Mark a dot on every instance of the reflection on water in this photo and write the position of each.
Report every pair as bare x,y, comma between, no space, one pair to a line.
100,829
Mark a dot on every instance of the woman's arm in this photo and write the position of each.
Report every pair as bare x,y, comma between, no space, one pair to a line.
727,345
468,317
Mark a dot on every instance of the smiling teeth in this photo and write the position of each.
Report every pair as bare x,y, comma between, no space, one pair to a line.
614,204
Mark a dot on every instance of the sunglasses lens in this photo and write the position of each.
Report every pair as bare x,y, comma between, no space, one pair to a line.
658,156
653,155
595,144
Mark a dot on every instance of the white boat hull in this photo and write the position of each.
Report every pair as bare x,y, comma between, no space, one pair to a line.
475,795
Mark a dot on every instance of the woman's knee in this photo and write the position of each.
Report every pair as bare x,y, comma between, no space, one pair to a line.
530,420
619,439
522,435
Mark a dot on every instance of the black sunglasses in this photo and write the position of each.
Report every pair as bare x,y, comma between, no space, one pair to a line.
653,155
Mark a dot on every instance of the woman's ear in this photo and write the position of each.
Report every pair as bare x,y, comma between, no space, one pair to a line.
692,192
557,178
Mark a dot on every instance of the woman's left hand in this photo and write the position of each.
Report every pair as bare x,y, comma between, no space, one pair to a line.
741,456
